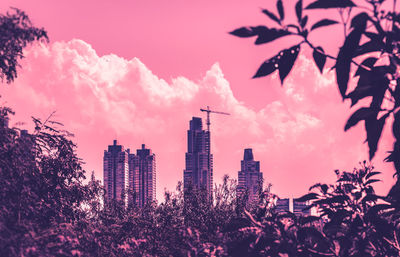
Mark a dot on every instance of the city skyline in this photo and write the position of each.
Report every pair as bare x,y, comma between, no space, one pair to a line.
108,75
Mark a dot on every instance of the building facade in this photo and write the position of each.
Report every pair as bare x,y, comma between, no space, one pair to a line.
146,168
250,179
129,177
115,172
292,205
198,171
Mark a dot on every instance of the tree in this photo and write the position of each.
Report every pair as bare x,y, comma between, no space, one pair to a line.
16,32
370,53
41,186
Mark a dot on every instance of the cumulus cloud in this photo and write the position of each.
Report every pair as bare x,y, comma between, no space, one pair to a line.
299,138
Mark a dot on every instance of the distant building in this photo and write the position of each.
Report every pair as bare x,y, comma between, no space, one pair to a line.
129,177
198,159
250,179
290,204
115,172
298,208
133,177
146,163
282,205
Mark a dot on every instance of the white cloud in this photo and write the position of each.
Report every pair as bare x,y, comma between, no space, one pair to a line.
100,98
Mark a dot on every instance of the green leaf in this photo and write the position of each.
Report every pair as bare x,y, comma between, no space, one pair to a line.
271,15
322,23
299,10
325,4
359,115
319,58
279,6
287,61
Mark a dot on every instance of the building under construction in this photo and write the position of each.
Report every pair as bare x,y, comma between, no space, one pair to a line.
199,160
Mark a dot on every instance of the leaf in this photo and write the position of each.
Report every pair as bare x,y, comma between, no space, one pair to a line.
359,115
322,23
370,83
243,32
373,173
344,58
359,20
271,15
283,61
319,58
369,62
279,6
325,4
266,68
303,22
307,197
299,10
287,61
396,125
370,197
372,181
266,35
374,129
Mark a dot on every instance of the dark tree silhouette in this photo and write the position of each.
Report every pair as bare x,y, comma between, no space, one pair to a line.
16,32
370,53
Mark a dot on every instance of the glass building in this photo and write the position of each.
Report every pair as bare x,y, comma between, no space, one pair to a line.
250,179
115,172
198,159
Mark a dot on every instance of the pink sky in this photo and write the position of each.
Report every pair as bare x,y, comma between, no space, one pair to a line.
139,70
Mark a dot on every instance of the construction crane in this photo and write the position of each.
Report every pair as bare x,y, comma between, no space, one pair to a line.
209,135
208,115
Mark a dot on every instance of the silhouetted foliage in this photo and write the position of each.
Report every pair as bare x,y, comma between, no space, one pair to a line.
46,210
370,53
16,32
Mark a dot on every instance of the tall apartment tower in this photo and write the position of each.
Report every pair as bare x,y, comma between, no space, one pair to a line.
250,178
133,166
145,166
115,168
198,159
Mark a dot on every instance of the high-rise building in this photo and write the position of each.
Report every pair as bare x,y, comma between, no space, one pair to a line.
115,168
250,179
133,164
198,159
146,163
130,177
